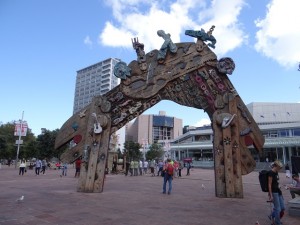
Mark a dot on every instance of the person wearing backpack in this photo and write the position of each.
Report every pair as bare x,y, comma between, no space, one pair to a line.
168,177
275,194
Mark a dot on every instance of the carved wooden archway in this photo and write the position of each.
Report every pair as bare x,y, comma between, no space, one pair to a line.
187,73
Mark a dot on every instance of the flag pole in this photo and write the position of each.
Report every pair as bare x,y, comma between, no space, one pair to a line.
20,132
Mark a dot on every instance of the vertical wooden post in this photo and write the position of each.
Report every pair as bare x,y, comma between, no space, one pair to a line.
228,165
102,160
86,170
92,171
228,170
236,154
220,187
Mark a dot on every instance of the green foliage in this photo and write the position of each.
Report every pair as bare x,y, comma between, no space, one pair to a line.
156,152
45,145
132,150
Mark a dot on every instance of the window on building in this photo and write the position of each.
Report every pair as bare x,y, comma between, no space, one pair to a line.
283,133
296,132
162,133
202,137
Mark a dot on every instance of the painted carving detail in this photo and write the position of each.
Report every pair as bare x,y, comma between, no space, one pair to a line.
226,65
122,71
202,35
167,45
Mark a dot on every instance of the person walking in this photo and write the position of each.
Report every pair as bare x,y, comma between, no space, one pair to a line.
131,167
160,167
38,164
64,170
141,167
176,167
127,166
168,176
188,167
77,167
152,166
22,167
179,169
145,166
275,194
135,168
44,164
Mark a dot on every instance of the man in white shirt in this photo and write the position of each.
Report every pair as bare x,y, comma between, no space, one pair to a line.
141,167
145,166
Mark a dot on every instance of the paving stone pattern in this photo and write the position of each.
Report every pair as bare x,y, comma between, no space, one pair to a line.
131,200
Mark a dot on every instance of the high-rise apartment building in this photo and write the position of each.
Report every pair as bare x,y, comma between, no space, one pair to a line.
94,80
153,128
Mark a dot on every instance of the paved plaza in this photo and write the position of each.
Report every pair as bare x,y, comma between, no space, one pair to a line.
51,199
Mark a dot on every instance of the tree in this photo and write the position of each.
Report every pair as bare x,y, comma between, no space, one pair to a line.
32,147
155,152
132,150
8,148
45,145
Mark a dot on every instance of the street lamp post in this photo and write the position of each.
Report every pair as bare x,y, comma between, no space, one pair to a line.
19,140
144,148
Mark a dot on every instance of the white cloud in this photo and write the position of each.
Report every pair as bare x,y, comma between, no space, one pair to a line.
202,122
115,37
143,18
278,35
87,41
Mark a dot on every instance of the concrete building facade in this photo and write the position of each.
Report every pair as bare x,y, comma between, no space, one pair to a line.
149,129
279,123
94,80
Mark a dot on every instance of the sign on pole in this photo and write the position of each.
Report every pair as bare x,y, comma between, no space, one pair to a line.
19,142
21,128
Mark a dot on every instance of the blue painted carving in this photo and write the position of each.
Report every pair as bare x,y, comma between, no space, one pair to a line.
168,44
75,126
122,71
202,35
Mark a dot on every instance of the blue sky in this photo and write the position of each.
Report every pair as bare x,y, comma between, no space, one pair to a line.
44,43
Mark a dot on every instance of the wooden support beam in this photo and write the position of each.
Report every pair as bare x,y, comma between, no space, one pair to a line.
220,187
236,155
228,162
102,160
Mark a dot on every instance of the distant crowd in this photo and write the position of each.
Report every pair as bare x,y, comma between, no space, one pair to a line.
154,167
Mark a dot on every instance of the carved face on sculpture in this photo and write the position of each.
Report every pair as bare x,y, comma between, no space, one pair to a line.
226,65
122,71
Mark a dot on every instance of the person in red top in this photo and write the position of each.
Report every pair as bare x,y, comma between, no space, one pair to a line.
168,176
77,167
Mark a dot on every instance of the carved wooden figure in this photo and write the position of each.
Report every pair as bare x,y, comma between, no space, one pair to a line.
187,73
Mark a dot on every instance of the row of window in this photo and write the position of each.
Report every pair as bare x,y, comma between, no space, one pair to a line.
282,133
162,133
267,134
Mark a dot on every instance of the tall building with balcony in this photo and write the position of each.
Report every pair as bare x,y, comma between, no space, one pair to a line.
149,129
94,80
